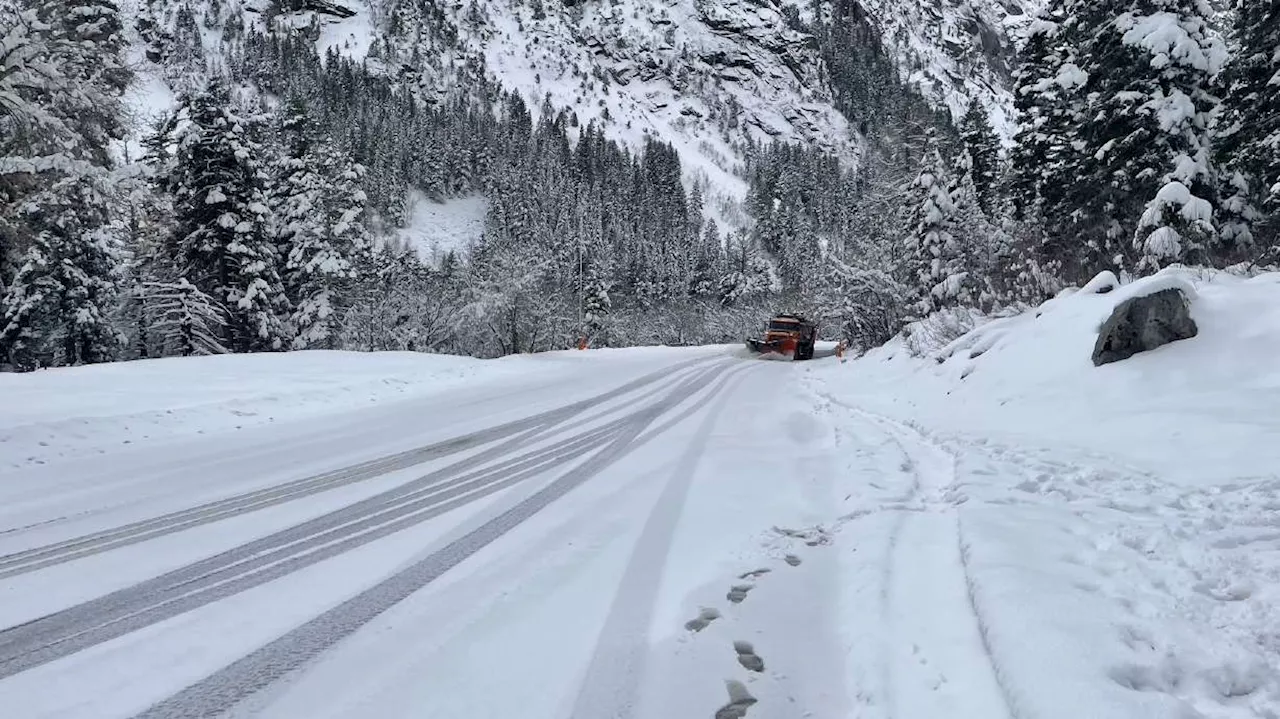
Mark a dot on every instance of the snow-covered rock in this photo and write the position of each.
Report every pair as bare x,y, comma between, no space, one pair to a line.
1143,323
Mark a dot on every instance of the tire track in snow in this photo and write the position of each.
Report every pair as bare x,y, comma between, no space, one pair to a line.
63,633
88,545
610,688
939,661
899,507
224,690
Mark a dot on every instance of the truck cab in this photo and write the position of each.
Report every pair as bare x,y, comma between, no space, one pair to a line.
788,336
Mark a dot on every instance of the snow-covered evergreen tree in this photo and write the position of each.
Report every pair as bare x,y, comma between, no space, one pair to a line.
1114,146
979,141
975,235
1152,73
221,242
184,320
934,254
61,77
708,263
596,305
1248,142
1050,100
57,310
319,210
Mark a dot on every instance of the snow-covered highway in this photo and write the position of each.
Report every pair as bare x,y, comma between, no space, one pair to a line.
255,570
651,533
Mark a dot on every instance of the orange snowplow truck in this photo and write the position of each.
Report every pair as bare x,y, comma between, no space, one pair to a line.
786,337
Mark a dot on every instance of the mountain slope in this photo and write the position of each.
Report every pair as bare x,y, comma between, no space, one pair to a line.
955,51
706,76
701,75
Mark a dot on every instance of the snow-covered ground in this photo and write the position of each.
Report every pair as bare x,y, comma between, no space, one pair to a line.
351,36
434,228
1118,525
652,533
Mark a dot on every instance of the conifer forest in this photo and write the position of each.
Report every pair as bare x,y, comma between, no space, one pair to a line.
259,211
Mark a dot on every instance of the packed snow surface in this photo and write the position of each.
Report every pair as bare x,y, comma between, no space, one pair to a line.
987,526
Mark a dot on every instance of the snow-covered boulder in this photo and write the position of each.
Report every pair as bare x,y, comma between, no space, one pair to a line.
1143,323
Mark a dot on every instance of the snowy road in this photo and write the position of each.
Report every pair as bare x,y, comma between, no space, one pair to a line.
508,463
637,534
597,558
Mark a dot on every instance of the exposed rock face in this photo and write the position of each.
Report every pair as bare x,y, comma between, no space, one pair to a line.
323,7
1142,324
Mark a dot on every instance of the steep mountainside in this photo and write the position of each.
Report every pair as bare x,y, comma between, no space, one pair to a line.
702,75
955,51
706,75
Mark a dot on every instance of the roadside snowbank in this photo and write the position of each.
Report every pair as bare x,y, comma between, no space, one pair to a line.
78,411
1188,410
1117,525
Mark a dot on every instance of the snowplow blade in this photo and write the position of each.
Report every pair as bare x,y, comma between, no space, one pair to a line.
773,350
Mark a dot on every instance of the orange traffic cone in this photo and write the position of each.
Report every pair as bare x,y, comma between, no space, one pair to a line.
582,343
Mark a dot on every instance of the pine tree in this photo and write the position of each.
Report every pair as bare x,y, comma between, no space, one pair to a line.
84,42
708,263
57,310
221,242
1151,76
1050,101
935,261
1248,142
596,305
1114,158
319,207
59,110
979,141
975,234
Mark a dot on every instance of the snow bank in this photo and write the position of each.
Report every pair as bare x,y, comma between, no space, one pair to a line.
1030,377
1117,524
78,410
88,411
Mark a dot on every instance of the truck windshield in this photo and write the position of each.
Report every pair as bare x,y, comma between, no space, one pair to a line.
784,326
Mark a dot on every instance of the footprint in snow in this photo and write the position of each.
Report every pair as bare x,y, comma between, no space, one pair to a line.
747,656
792,559
704,619
738,592
755,573
740,700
